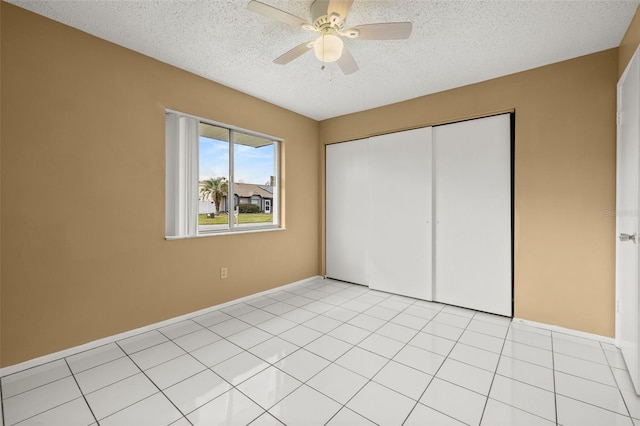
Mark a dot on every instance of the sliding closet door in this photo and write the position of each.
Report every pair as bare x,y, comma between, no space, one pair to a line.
472,184
400,202
347,211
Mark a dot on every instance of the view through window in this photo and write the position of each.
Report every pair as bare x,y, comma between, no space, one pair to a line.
219,178
237,183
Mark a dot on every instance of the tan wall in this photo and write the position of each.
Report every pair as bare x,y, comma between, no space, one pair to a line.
629,43
564,179
84,254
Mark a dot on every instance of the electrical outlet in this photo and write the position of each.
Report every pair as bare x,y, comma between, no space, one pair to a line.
223,272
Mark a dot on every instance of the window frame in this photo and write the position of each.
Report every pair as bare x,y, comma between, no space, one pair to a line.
182,165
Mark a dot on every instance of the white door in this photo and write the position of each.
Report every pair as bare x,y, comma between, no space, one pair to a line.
400,247
267,206
347,211
627,327
472,184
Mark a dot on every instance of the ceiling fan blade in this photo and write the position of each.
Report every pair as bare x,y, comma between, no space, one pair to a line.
385,31
346,62
289,56
276,14
341,7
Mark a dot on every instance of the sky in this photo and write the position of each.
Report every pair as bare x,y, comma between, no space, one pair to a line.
252,165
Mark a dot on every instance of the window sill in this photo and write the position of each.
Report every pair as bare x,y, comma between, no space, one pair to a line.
228,232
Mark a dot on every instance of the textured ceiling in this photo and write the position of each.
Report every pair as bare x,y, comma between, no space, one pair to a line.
454,43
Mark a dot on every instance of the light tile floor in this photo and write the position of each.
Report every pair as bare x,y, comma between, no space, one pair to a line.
326,352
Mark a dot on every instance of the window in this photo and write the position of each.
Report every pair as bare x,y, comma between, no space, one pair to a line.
219,178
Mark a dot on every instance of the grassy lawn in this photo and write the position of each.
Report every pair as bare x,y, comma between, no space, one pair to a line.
223,219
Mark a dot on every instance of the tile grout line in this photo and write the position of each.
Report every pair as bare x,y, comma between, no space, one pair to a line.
332,362
470,320
553,364
433,377
206,367
273,364
343,322
342,406
592,381
553,370
369,380
42,412
527,344
152,382
40,385
51,408
81,393
529,384
105,386
210,368
230,342
322,334
2,405
617,385
495,373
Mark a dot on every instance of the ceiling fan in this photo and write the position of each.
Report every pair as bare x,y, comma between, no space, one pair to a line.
329,22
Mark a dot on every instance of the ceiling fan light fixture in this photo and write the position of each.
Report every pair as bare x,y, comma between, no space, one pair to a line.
328,48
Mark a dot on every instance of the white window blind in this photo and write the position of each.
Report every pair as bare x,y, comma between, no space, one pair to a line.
181,176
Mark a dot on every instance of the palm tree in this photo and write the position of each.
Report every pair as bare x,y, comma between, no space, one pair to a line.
215,189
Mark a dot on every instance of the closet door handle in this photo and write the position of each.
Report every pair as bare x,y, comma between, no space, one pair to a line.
628,237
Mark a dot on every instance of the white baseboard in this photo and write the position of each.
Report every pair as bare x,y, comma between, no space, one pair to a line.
101,342
563,330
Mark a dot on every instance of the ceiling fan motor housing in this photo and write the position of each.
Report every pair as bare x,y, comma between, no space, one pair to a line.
328,24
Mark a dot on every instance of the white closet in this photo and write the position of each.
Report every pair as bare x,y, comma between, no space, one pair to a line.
425,213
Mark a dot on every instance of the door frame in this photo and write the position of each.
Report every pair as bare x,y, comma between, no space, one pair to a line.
622,299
